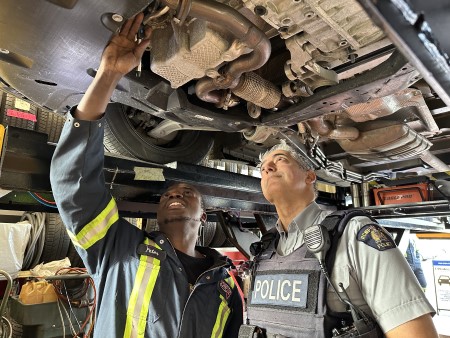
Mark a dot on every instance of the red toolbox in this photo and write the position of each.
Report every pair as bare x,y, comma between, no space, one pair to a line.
402,194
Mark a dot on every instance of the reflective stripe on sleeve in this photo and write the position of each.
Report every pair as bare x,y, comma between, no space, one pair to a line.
141,295
221,319
73,238
222,314
98,227
230,281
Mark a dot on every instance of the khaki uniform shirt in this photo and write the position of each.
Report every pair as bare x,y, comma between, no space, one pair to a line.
380,282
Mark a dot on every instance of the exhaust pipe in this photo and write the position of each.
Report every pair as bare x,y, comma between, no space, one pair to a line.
324,128
434,162
242,28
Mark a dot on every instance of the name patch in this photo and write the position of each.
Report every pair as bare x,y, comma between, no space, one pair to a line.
376,237
288,290
151,251
225,289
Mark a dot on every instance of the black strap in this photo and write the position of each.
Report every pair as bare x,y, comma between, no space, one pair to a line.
266,247
336,223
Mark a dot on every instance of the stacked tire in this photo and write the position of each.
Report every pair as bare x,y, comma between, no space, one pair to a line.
57,243
16,112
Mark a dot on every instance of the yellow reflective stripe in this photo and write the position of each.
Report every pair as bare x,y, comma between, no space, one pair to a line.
221,319
230,282
73,238
141,294
98,227
223,313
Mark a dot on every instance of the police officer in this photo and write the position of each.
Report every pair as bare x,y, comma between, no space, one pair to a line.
154,285
286,299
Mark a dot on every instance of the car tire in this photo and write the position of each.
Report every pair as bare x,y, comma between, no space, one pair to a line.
219,237
57,240
46,122
51,124
8,102
17,329
208,231
121,137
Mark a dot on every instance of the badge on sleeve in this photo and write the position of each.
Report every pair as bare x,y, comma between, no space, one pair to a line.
224,289
376,237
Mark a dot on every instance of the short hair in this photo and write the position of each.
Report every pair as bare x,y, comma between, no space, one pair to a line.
301,160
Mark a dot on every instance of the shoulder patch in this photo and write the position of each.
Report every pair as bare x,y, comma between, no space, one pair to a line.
224,289
376,237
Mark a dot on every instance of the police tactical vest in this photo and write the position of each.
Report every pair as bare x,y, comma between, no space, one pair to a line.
288,294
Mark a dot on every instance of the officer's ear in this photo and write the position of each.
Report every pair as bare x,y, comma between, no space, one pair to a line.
311,177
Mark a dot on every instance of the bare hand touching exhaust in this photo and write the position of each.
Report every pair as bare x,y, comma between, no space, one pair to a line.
122,54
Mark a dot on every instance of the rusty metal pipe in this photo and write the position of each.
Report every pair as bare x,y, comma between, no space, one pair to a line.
321,126
255,39
253,88
433,161
243,29
424,114
218,13
184,7
206,90
325,128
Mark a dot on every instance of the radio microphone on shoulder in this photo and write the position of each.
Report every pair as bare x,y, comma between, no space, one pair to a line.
317,240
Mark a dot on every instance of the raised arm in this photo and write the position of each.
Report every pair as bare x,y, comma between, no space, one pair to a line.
76,174
121,55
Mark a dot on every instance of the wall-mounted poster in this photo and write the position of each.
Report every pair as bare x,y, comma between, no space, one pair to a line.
441,272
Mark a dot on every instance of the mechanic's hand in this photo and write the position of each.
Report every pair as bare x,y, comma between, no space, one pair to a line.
123,53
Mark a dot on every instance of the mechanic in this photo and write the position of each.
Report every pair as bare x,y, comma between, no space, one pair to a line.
148,285
285,300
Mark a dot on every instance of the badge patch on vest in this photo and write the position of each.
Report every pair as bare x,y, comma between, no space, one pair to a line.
224,289
151,251
287,290
376,237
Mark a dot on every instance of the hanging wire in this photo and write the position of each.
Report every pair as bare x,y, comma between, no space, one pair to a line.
42,201
62,318
79,299
72,329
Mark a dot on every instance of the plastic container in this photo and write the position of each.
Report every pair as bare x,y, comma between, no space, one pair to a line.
37,293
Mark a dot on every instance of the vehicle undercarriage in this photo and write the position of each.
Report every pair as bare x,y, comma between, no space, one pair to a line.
362,95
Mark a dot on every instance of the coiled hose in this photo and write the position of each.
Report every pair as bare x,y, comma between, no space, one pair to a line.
35,245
